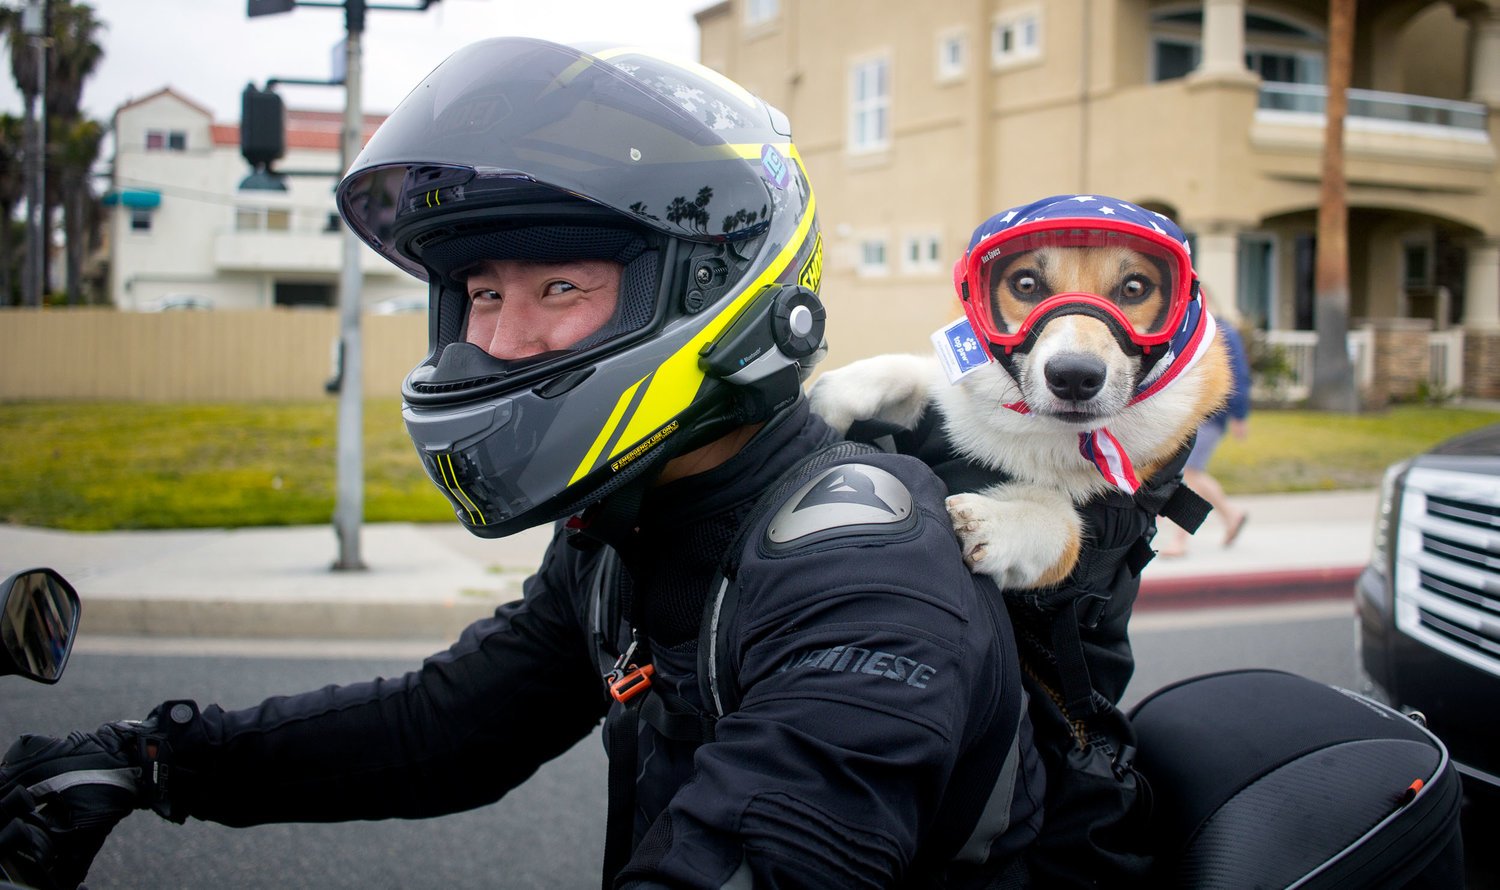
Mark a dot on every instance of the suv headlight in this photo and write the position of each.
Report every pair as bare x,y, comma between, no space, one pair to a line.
1388,517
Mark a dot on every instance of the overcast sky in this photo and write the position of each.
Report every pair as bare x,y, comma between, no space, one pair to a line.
207,50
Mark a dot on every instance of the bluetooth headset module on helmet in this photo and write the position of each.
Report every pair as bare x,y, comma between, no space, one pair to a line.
527,150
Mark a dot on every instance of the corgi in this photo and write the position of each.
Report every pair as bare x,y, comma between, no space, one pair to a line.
1104,364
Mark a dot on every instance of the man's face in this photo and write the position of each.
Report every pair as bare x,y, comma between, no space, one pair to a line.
519,309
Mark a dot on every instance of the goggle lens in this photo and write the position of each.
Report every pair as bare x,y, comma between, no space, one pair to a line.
1015,277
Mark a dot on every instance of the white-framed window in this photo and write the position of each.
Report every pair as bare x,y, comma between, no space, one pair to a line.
262,219
870,105
872,257
952,54
166,140
922,253
759,12
1016,37
140,219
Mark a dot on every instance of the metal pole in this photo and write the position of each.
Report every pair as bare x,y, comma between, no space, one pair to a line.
349,508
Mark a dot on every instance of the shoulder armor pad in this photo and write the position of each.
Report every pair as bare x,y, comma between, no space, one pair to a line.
840,501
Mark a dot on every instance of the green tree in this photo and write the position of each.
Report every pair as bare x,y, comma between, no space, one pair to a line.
75,148
73,53
12,190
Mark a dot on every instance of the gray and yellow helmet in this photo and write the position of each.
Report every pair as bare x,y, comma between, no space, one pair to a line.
523,149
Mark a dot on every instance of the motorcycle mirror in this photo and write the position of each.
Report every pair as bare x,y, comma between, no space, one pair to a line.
37,624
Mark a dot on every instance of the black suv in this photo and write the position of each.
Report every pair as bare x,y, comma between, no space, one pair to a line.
1429,602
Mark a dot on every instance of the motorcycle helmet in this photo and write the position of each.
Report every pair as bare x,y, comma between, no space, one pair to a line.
522,149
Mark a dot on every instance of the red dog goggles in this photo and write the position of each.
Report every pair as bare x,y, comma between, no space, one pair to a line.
1135,279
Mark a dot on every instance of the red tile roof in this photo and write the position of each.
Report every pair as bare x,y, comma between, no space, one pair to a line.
305,129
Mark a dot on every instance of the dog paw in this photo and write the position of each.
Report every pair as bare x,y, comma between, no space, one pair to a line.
1018,544
892,388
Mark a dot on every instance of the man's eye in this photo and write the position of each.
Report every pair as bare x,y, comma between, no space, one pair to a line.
560,287
483,295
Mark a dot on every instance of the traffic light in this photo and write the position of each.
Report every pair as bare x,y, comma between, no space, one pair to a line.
268,7
262,136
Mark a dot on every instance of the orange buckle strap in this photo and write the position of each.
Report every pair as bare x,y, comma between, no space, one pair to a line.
627,684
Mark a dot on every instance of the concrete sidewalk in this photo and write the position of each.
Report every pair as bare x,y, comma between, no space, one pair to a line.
429,581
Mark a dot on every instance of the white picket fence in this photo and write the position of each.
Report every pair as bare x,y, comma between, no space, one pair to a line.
1445,367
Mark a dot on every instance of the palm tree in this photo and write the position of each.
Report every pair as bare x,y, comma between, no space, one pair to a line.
1333,386
73,53
23,67
73,143
12,189
75,149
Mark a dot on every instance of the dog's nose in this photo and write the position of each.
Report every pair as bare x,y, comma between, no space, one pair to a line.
1076,378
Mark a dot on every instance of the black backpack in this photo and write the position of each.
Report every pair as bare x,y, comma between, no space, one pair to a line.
1072,641
1076,658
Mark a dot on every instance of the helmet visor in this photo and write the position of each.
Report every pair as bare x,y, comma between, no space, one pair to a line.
1015,278
502,117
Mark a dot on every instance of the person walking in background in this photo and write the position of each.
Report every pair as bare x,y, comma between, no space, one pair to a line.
1233,418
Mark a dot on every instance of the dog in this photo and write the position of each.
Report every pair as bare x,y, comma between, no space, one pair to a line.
1072,404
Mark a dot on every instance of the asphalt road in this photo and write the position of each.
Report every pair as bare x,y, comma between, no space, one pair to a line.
549,833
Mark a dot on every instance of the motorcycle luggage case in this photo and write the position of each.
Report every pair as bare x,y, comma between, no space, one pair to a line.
1265,779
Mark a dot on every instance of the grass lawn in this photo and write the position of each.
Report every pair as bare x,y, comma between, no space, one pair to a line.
1313,451
91,466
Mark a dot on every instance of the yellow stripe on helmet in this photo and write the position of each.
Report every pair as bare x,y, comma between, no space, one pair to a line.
450,479
604,433
677,379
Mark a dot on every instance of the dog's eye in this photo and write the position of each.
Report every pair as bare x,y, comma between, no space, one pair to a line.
1025,284
1136,288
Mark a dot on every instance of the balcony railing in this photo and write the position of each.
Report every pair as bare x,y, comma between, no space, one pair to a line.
1371,105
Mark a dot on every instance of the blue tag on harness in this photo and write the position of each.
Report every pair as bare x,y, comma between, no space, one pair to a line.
959,350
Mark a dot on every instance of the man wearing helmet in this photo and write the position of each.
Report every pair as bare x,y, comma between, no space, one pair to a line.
802,684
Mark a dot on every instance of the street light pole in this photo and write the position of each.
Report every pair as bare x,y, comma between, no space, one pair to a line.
349,506
349,495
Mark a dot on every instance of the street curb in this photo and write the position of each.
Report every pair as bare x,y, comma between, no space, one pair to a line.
1247,588
446,619
260,619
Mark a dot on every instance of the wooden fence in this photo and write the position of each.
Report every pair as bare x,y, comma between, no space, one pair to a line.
271,354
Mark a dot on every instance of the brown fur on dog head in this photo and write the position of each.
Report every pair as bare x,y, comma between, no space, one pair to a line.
1076,371
1133,281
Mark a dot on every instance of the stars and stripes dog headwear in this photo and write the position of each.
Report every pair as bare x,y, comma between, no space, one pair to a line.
1153,306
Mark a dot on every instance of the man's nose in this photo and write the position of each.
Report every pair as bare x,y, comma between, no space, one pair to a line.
517,334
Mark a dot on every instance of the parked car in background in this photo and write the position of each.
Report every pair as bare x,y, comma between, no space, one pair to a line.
179,303
1429,602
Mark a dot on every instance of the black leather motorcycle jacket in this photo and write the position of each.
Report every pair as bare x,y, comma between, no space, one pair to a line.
881,738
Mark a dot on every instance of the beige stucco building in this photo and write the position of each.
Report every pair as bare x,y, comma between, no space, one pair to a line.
917,121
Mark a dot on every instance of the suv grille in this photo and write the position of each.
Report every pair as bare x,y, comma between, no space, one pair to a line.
1448,564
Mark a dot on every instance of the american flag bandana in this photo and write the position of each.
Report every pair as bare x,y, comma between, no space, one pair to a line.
1192,339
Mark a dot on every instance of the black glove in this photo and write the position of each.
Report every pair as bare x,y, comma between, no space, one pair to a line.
77,788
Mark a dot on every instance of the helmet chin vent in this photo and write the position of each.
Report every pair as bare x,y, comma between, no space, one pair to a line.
455,386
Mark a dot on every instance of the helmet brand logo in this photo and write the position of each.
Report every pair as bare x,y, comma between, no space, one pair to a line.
645,446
